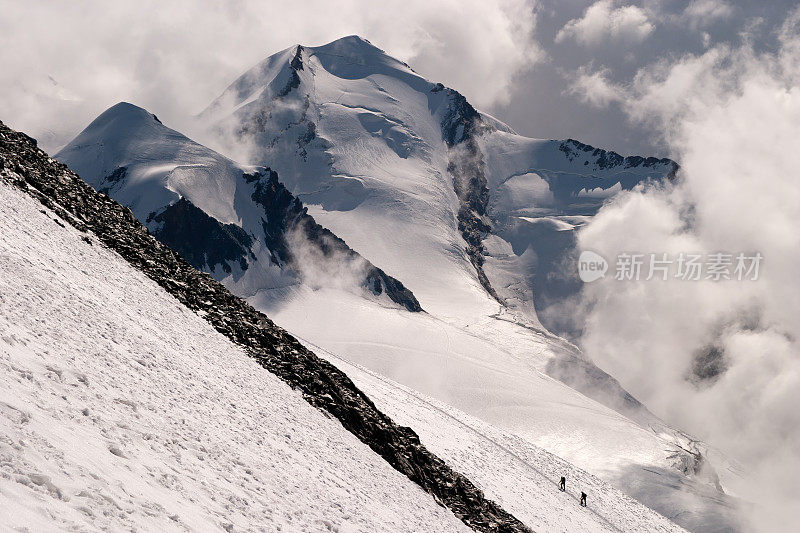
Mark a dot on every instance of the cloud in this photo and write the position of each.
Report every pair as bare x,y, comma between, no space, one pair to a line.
702,13
602,21
593,88
660,91
732,118
479,52
72,60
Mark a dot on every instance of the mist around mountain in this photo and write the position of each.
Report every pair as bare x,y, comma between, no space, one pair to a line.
473,223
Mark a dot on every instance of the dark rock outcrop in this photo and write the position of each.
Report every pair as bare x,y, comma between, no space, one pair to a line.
323,385
110,181
604,159
708,365
200,239
461,125
294,79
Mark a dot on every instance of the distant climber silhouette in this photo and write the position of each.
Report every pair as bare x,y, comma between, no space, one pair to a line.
583,499
563,485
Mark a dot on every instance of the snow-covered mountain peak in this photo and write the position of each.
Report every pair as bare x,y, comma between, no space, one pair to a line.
350,57
477,220
237,222
354,57
351,45
358,135
129,151
125,116
369,145
123,134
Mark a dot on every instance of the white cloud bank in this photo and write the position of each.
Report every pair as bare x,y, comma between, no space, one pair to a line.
732,118
602,21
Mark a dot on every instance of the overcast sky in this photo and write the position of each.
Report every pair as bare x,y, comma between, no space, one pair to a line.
538,65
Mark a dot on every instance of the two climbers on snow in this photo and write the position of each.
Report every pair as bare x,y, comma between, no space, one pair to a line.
562,486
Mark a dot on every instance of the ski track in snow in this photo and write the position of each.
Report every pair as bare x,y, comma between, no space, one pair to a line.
121,409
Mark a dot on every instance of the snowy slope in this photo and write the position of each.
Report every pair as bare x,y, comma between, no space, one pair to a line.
472,218
238,223
126,422
120,409
118,417
520,476
496,381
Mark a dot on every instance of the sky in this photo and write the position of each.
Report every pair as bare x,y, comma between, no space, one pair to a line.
714,84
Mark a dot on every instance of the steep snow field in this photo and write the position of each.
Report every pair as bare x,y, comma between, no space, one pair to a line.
518,475
497,382
120,409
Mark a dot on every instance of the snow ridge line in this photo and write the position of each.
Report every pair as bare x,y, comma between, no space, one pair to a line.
28,168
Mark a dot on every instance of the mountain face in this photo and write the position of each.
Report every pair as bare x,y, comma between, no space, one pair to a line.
238,223
362,137
476,221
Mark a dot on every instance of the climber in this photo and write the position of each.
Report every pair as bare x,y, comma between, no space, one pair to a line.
562,485
583,499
